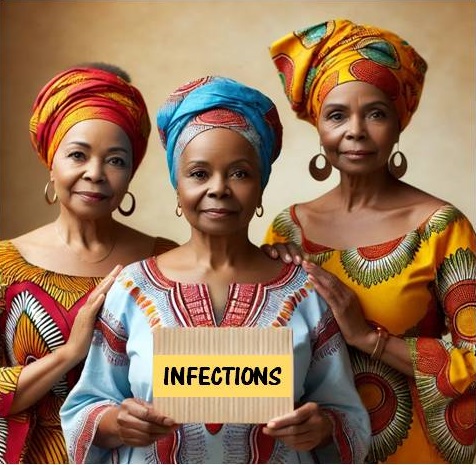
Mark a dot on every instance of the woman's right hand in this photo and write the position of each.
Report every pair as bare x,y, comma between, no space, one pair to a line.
82,330
286,251
140,424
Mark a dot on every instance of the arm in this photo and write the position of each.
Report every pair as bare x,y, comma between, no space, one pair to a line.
100,414
37,378
354,327
332,423
445,369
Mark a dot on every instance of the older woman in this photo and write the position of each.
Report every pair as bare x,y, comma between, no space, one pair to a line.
221,138
396,265
90,128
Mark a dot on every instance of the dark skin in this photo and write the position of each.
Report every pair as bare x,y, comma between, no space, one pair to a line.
358,127
219,189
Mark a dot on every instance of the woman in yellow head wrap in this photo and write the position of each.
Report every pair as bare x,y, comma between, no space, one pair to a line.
396,265
90,128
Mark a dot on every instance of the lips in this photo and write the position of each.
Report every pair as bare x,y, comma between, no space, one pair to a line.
218,211
93,196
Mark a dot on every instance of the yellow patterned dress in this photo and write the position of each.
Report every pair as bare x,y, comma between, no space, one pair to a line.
37,311
421,287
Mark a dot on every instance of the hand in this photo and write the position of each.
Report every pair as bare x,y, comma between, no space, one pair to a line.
303,429
83,326
344,305
287,252
139,424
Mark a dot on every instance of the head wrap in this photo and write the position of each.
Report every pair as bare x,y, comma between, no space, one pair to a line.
313,61
215,101
84,93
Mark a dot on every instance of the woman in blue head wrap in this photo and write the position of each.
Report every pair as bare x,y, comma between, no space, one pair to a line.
221,138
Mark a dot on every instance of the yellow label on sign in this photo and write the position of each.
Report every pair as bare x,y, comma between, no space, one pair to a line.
223,376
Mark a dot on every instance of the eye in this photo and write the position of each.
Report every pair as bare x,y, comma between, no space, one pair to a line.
377,114
239,174
335,116
198,174
117,161
77,155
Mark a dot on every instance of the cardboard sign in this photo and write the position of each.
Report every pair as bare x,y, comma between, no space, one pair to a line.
223,375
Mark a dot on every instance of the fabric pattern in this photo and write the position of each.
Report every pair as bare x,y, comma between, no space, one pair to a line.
421,287
119,366
37,311
312,61
79,94
192,109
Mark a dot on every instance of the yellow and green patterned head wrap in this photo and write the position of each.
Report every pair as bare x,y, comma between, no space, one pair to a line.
312,61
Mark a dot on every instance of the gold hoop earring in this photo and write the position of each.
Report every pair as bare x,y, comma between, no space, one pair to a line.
259,211
178,210
132,207
397,171
47,198
320,174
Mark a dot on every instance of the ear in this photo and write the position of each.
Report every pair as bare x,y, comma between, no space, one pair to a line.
52,177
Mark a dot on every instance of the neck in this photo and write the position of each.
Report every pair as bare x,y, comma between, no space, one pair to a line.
220,252
359,192
92,241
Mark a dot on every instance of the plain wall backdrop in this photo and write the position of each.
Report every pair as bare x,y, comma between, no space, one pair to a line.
164,44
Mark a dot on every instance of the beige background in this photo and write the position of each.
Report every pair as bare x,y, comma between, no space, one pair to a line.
166,43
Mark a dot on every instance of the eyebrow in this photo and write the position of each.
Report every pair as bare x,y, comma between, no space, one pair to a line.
366,105
88,146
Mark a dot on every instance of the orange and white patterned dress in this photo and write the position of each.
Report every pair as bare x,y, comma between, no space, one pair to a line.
420,287
37,311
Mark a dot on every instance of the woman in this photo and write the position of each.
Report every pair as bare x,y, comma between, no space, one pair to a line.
396,265
90,128
221,138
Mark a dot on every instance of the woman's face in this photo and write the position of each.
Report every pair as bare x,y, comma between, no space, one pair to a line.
219,182
92,168
358,127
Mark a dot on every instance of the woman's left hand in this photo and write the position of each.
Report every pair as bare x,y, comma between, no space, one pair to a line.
344,305
303,429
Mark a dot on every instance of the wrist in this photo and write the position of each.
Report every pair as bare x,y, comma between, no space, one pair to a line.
381,340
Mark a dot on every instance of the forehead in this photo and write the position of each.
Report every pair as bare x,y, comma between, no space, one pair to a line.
97,129
219,145
356,91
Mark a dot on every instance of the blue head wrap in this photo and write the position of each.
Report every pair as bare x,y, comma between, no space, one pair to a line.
211,102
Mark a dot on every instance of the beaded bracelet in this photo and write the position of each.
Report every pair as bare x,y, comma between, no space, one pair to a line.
382,338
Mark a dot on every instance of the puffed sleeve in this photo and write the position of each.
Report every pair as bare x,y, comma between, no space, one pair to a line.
103,382
281,229
445,369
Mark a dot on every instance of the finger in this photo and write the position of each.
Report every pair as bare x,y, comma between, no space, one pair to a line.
296,417
270,251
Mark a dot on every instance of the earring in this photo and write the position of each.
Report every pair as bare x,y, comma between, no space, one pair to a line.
178,210
47,198
131,209
320,174
259,211
397,171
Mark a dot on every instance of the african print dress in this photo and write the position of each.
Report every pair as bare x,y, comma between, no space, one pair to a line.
119,366
420,287
37,311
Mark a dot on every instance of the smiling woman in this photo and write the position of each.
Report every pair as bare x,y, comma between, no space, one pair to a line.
221,138
90,128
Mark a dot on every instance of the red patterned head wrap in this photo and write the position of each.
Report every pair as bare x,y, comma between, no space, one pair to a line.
313,61
84,93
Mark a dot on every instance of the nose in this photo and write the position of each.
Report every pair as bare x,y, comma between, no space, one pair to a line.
218,186
356,128
94,170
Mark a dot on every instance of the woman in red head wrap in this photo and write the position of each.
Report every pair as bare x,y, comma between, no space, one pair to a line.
90,127
396,265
